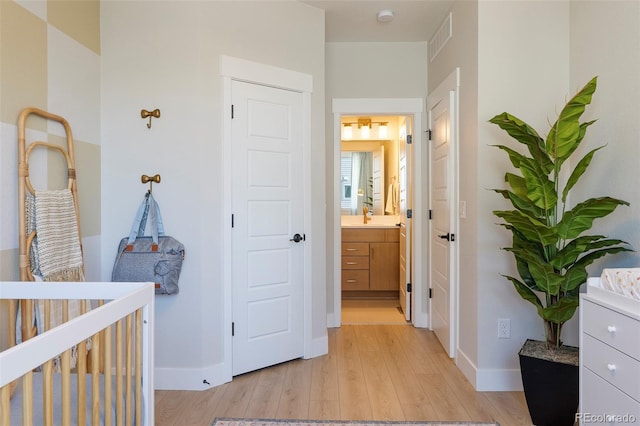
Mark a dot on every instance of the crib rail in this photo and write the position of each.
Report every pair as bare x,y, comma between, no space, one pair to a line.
125,319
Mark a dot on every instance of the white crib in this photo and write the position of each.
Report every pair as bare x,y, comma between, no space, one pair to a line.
111,384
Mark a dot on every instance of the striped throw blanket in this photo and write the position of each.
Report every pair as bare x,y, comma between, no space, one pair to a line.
59,252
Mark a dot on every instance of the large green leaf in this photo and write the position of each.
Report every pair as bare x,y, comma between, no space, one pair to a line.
532,229
526,293
525,134
581,135
517,184
570,253
581,217
540,189
522,204
565,132
561,311
581,167
543,274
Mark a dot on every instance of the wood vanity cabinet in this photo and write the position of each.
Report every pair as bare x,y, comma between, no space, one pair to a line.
370,260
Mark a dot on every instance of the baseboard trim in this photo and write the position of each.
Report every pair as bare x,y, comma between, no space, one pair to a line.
190,378
488,380
319,347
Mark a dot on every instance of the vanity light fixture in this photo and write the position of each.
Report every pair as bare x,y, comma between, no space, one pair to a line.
382,130
364,124
347,131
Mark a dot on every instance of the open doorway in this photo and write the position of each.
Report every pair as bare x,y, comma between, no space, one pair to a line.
360,237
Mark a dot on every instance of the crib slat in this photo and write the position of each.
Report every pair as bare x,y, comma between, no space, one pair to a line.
47,314
5,404
65,377
47,393
128,369
138,382
95,378
81,378
108,420
119,337
27,398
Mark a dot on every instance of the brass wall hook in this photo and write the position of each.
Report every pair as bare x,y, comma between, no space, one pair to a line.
155,113
150,180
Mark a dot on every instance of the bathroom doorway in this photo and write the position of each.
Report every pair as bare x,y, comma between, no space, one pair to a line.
367,252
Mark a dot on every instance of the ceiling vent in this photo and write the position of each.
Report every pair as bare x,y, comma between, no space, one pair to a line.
440,38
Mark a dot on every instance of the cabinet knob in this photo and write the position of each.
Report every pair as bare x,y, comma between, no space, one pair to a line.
611,367
611,329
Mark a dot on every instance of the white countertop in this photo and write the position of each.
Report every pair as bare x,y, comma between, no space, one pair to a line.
375,221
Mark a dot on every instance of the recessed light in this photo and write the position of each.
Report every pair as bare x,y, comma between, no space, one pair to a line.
385,15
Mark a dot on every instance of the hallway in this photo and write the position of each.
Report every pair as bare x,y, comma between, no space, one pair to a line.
376,372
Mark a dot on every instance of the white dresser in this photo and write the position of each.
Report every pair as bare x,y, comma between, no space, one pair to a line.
609,358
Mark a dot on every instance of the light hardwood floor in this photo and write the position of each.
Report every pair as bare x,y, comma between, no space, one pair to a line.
372,372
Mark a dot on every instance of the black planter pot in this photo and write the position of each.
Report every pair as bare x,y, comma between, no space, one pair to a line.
551,383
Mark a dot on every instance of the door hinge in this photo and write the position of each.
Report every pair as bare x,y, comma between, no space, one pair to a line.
409,139
232,111
453,237
429,134
233,329
233,222
408,287
430,214
409,213
430,294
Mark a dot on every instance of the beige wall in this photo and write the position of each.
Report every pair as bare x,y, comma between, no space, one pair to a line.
49,58
366,70
166,55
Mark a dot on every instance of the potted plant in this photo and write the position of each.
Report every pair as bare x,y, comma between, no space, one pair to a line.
549,245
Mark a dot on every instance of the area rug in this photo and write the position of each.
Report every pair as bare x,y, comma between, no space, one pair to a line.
273,422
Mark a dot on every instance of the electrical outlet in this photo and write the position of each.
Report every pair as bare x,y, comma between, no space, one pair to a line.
504,328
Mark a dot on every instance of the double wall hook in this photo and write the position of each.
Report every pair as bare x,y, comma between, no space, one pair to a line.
150,180
155,113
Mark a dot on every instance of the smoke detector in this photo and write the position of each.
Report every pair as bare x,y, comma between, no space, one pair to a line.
385,15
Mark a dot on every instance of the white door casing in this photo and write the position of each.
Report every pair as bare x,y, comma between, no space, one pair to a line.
267,211
231,70
414,107
442,108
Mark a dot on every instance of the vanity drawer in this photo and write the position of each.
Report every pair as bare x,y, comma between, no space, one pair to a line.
619,369
355,249
355,262
355,280
620,331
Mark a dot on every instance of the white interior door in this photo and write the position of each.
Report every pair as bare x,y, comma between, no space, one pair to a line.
442,233
378,181
268,210
404,198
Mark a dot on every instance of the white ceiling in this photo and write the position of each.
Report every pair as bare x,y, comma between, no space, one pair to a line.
356,20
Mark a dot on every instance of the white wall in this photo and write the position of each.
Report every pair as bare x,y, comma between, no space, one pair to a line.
166,55
462,51
366,70
613,54
523,68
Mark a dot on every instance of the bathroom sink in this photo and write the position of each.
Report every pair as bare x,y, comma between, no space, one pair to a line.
375,221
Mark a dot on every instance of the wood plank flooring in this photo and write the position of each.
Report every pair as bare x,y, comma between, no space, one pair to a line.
372,372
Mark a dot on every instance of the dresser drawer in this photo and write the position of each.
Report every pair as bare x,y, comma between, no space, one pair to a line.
355,280
355,249
620,331
600,399
355,262
612,365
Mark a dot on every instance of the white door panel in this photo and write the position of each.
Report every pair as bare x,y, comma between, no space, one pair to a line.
442,184
267,202
404,196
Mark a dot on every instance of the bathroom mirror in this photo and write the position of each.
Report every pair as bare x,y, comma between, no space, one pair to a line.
369,166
